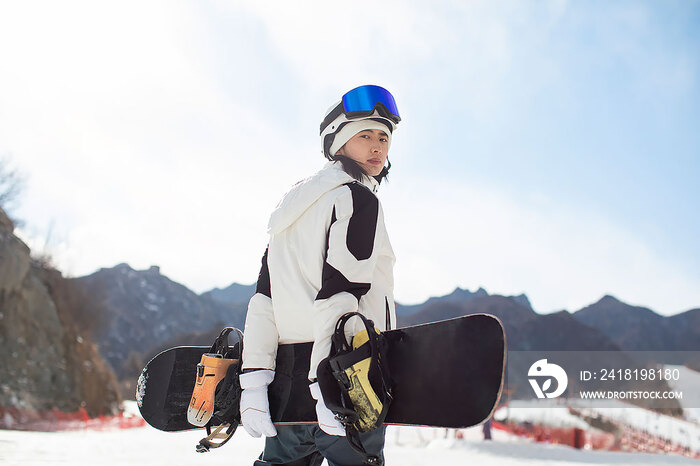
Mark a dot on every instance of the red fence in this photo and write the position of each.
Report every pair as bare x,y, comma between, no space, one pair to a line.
55,420
572,436
629,439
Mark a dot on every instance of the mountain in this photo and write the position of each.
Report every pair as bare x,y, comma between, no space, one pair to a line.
457,296
558,331
638,328
148,312
513,311
234,293
688,329
608,324
146,309
531,336
525,329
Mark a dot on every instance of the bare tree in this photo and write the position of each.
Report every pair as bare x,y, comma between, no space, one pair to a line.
11,183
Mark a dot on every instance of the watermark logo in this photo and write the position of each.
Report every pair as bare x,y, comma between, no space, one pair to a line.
541,369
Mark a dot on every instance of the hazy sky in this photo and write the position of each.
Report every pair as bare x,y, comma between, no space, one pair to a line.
549,148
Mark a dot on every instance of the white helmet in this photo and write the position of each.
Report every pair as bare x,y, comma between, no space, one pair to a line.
365,107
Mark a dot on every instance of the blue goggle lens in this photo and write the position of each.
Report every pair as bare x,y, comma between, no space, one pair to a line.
367,98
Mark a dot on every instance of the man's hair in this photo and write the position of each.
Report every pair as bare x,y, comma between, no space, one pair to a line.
355,170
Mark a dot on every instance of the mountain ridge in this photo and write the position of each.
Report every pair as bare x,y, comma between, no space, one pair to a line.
148,311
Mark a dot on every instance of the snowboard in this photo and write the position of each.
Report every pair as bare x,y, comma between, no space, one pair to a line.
445,374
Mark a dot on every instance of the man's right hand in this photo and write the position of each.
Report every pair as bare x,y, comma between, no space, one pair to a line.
255,407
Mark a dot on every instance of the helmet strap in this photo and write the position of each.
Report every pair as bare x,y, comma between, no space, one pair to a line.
384,172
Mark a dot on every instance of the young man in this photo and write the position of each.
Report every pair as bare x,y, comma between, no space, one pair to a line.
328,254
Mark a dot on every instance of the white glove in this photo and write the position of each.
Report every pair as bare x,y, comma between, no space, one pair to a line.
255,407
326,419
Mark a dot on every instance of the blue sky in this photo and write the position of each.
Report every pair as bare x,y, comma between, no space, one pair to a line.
546,147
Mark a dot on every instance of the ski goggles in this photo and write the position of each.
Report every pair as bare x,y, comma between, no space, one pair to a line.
363,101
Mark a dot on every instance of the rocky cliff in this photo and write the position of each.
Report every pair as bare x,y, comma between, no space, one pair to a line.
47,359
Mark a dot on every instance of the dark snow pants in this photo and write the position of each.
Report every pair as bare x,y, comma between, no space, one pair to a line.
307,445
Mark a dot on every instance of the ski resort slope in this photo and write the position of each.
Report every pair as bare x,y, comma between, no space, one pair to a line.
688,382
405,447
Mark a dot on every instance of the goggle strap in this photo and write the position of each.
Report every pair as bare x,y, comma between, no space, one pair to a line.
332,115
379,107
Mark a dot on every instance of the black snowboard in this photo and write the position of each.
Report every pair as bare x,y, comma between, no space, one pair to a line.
445,374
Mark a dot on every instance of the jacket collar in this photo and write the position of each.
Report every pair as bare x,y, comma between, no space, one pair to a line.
368,181
306,192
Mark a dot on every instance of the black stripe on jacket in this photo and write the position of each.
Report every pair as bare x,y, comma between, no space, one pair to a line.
362,228
263,285
363,223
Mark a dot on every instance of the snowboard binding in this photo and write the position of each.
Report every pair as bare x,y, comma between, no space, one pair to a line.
355,382
216,394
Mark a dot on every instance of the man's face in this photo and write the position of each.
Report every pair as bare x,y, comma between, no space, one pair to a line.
369,148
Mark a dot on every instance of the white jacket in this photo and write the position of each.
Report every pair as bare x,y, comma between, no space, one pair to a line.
328,254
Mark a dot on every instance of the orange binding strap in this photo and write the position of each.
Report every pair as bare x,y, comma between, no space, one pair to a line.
210,371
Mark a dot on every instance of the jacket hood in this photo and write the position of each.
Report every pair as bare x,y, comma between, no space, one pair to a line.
306,192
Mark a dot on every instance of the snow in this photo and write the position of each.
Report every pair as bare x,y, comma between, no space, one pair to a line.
682,432
140,391
406,446
689,384
553,413
547,413
151,307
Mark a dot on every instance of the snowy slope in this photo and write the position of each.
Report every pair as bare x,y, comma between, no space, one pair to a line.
405,447
555,414
547,413
689,384
682,432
